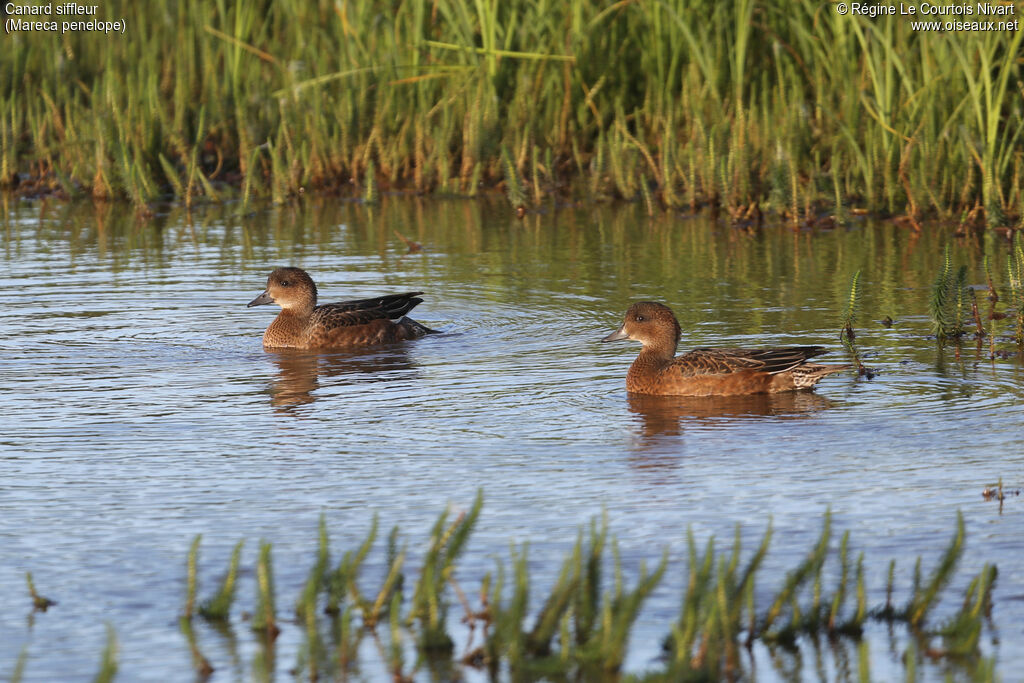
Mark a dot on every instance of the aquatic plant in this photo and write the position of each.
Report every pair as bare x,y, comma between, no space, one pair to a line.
847,335
190,576
39,603
948,303
1015,265
446,545
313,651
264,617
342,580
200,663
371,194
582,625
993,297
706,638
218,607
924,597
19,666
513,185
108,660
580,628
307,600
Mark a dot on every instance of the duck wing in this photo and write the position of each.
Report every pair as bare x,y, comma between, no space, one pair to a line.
363,311
725,361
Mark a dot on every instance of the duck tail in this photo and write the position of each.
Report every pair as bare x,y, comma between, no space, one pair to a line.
413,329
807,375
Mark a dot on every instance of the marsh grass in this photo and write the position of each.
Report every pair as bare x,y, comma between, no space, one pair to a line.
580,625
218,608
264,618
788,107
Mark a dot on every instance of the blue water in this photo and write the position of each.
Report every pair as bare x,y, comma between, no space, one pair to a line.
139,409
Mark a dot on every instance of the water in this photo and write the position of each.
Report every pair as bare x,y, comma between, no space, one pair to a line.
139,409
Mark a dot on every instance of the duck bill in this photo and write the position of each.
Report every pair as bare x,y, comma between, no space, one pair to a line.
617,335
262,299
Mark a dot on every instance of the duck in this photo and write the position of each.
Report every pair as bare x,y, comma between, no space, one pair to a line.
709,372
302,324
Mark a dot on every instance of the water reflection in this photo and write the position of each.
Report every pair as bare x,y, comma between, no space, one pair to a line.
108,302
667,415
300,372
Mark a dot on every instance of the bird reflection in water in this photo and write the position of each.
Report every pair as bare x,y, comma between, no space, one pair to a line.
300,373
668,415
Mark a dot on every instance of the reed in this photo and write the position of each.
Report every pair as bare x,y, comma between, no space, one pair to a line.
580,98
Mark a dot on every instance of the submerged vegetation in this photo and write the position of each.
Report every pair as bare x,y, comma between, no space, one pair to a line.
747,106
582,625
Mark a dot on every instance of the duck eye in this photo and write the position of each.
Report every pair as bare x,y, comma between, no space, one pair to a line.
640,318
284,283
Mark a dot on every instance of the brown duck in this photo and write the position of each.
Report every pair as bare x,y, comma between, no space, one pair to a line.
302,324
709,372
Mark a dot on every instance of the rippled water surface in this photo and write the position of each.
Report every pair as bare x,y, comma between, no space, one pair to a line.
139,409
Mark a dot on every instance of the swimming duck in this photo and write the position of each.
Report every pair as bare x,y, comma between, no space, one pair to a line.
302,324
709,372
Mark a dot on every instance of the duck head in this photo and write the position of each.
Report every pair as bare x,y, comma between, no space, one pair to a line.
652,324
290,288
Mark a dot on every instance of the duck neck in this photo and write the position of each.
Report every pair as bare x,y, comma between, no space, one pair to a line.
298,311
657,353
287,327
652,359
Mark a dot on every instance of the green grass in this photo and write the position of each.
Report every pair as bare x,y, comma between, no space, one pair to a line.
579,625
791,108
